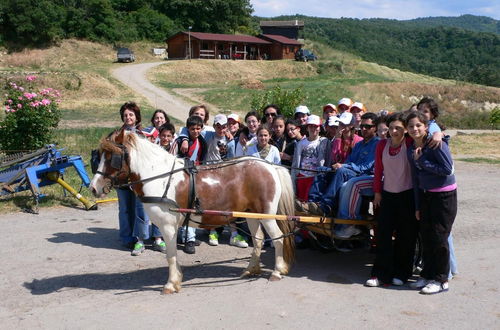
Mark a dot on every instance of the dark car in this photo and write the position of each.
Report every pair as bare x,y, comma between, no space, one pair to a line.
125,55
305,55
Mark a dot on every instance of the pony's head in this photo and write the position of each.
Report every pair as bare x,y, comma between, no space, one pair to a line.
114,166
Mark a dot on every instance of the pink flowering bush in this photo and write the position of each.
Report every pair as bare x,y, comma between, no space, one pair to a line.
30,116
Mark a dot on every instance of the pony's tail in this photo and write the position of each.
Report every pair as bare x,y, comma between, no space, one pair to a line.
286,206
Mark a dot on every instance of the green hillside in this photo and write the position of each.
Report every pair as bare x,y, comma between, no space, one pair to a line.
466,22
446,52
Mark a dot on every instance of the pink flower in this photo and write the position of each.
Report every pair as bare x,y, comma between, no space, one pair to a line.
7,108
21,89
30,96
45,102
20,98
9,101
30,78
19,106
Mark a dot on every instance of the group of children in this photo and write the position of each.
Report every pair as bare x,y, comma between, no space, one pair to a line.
333,161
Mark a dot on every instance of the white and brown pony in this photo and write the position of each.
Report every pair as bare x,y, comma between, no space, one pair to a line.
248,185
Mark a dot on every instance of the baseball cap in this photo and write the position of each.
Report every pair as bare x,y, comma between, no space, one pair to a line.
329,105
313,120
359,105
333,121
345,101
346,118
234,117
302,109
220,119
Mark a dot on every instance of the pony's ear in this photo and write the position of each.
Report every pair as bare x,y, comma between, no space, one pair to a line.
120,137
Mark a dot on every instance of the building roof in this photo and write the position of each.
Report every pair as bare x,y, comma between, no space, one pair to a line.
242,38
293,23
280,39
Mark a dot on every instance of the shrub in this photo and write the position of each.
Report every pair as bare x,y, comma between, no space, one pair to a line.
286,100
495,118
30,117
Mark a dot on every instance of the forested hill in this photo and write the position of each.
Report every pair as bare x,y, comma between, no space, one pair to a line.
445,52
466,22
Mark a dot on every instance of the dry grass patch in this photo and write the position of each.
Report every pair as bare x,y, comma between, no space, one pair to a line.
222,71
485,145
451,98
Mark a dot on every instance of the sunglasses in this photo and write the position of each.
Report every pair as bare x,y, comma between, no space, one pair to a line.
366,126
270,114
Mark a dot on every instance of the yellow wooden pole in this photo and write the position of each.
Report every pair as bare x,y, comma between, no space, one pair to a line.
54,176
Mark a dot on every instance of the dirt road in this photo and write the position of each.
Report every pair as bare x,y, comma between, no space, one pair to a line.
134,76
64,268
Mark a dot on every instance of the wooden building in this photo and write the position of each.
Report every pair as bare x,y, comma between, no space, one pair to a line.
230,46
289,29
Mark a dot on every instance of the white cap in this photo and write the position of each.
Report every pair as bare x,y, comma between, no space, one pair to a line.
220,119
302,109
358,105
345,101
346,118
313,120
329,105
333,121
234,117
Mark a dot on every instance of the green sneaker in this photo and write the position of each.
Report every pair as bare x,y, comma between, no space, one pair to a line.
213,238
161,247
138,249
238,241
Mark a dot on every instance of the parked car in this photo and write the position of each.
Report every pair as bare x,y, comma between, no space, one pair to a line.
125,55
305,55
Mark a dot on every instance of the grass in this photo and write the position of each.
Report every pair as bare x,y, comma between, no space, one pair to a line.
480,160
476,145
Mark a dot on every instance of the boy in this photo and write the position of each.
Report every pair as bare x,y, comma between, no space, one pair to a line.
166,136
220,144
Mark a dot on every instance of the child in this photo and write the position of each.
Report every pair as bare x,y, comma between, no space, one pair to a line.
382,128
310,153
344,105
329,110
278,131
167,136
262,149
248,136
202,112
436,203
220,143
293,137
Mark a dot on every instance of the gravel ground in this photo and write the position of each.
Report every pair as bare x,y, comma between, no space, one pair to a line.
64,268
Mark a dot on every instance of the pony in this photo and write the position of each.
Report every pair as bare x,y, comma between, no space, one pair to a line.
245,184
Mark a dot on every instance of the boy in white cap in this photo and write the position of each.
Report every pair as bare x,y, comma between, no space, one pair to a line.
344,105
220,144
301,114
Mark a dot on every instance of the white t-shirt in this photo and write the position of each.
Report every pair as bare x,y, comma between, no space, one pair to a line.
273,156
309,155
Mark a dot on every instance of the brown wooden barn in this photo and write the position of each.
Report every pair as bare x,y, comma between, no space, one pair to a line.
230,46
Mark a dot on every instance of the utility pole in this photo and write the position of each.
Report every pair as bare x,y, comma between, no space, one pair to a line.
189,41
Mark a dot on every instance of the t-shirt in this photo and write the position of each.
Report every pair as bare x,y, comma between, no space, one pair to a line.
310,155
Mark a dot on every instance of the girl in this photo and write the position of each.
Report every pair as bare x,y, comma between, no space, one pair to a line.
248,137
309,154
382,128
262,149
202,112
269,113
357,110
345,140
293,137
393,189
436,203
279,138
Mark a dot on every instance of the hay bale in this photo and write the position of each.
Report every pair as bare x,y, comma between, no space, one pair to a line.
252,84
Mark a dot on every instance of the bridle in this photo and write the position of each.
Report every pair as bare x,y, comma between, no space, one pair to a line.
117,161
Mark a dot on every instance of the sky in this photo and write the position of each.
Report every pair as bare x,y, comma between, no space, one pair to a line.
394,9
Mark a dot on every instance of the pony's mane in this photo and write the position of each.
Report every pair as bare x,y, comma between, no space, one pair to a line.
108,145
147,153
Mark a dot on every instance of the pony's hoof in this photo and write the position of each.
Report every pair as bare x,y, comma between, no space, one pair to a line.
275,278
167,291
250,272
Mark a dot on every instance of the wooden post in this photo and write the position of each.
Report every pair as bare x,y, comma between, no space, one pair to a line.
245,52
230,51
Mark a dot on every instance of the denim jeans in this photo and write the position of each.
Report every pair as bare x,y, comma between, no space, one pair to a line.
453,259
333,181
191,234
133,221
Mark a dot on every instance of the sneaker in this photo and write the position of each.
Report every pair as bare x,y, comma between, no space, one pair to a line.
347,232
161,246
189,247
238,241
434,287
301,206
213,238
372,282
397,282
419,284
314,208
138,249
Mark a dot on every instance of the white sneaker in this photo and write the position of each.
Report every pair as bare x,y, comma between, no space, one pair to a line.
238,241
372,282
435,287
397,282
347,232
419,284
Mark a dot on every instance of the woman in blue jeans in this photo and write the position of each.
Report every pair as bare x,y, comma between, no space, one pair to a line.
133,221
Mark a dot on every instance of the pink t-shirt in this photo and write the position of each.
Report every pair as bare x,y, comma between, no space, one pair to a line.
338,155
